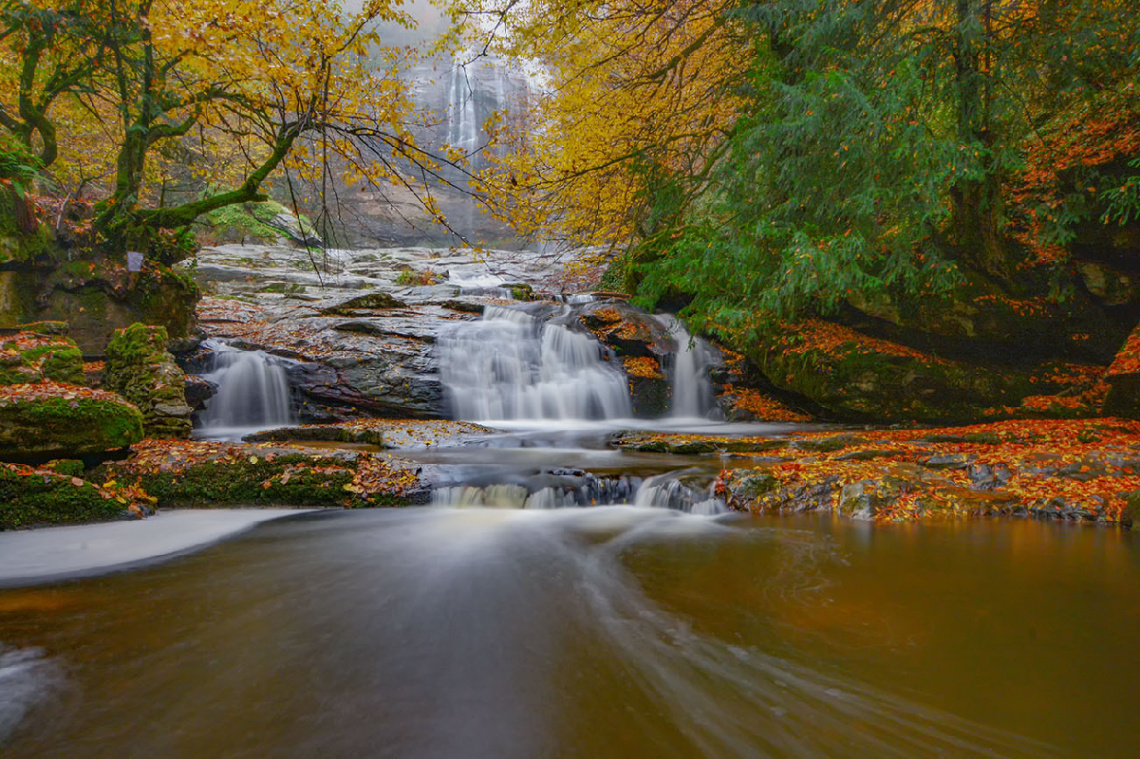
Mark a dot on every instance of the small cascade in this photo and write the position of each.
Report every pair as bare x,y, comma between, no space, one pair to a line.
671,491
681,491
253,390
552,490
692,390
512,364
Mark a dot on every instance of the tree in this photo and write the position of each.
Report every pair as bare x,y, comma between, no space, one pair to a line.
859,146
628,93
156,82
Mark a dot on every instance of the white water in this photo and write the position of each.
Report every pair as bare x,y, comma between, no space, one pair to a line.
692,391
512,365
462,127
253,391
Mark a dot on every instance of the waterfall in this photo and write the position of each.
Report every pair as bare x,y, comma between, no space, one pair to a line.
253,390
513,365
669,491
692,390
462,125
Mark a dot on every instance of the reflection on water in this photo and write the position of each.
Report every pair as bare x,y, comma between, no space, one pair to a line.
605,632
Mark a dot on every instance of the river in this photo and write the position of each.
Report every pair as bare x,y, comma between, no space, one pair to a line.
653,623
605,632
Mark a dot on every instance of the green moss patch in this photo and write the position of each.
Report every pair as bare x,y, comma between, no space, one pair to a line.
64,420
204,474
31,497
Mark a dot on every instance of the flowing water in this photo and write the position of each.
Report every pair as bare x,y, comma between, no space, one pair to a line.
252,393
564,599
526,364
605,632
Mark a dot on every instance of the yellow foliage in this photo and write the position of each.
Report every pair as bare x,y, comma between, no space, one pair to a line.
624,88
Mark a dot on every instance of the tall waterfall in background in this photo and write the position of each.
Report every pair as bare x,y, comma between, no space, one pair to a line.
512,365
474,90
692,390
253,390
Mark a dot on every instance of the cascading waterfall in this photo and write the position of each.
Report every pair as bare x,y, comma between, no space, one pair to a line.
692,391
512,365
462,125
253,390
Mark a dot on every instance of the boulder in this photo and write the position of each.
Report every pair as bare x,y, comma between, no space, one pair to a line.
40,352
858,377
140,369
54,420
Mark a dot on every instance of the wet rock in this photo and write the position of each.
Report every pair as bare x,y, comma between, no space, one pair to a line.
987,477
140,369
863,499
949,461
951,501
747,488
51,420
199,391
628,330
370,302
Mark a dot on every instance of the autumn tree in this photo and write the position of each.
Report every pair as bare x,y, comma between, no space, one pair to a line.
846,146
627,94
143,84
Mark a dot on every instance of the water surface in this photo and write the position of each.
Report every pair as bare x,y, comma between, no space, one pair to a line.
603,632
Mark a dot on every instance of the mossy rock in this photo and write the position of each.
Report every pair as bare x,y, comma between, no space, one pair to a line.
860,378
46,328
141,370
28,357
979,311
748,487
29,498
242,483
66,421
1130,515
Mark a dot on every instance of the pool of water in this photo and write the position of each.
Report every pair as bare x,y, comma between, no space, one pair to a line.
602,632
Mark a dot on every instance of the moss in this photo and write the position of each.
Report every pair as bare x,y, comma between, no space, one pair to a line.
67,426
64,365
35,357
523,292
752,486
70,467
29,498
141,369
243,482
46,328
